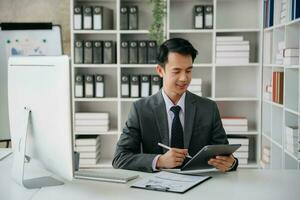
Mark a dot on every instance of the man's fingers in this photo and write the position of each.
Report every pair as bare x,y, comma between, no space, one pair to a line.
216,162
181,151
220,167
225,158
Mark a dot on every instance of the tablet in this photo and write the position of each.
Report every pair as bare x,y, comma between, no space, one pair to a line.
199,161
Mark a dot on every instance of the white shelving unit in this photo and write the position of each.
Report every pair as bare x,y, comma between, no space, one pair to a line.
235,88
275,117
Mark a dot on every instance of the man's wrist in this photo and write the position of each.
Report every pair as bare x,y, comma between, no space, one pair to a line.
154,163
158,164
233,164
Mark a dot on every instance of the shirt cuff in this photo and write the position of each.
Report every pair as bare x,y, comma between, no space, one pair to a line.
154,163
233,165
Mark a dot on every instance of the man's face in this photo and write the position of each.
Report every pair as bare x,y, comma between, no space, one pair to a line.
177,73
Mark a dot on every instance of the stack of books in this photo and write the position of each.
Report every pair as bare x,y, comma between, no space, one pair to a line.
291,56
232,50
91,123
277,87
88,147
292,140
283,12
279,54
196,86
242,154
265,159
235,124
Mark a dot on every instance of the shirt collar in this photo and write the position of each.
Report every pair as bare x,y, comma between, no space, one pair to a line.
169,103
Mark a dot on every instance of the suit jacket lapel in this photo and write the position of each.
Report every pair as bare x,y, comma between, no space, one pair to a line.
161,119
189,115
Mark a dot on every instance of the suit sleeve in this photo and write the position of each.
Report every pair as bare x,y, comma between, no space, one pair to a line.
218,133
128,154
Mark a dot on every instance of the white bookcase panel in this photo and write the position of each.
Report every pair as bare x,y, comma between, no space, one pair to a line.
232,14
265,143
203,42
277,127
267,118
290,162
276,161
286,114
235,87
248,109
291,84
206,75
237,82
268,47
278,37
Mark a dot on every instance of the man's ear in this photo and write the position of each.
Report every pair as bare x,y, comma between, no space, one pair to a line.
160,70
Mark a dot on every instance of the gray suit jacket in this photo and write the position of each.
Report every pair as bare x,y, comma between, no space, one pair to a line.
147,125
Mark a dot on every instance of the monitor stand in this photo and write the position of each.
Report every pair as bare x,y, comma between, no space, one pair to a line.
19,161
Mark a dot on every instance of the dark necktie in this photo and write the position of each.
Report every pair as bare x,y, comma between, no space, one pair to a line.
177,130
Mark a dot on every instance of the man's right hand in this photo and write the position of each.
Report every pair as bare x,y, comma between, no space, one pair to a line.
172,158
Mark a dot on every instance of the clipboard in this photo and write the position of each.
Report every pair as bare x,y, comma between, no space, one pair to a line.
170,182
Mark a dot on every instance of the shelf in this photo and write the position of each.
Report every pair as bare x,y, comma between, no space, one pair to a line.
202,65
190,30
243,133
239,65
95,99
276,143
273,103
297,21
292,111
95,65
129,99
134,31
138,65
273,65
236,99
110,132
94,31
267,137
237,30
292,67
274,27
292,154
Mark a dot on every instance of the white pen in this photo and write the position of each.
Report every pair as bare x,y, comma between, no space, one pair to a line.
167,147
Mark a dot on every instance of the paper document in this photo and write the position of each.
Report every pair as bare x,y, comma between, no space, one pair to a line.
170,182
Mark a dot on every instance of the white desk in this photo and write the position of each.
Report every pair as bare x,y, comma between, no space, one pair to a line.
242,184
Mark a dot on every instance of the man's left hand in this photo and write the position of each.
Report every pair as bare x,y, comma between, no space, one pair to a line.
222,163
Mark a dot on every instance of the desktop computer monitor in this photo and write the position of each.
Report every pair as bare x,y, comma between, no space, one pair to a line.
40,116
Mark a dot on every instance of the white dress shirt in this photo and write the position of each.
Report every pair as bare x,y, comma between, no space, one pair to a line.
169,104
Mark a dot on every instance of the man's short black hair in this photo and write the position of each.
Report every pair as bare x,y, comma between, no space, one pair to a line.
177,45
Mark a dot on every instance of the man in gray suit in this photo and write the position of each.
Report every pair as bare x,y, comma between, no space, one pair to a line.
174,117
